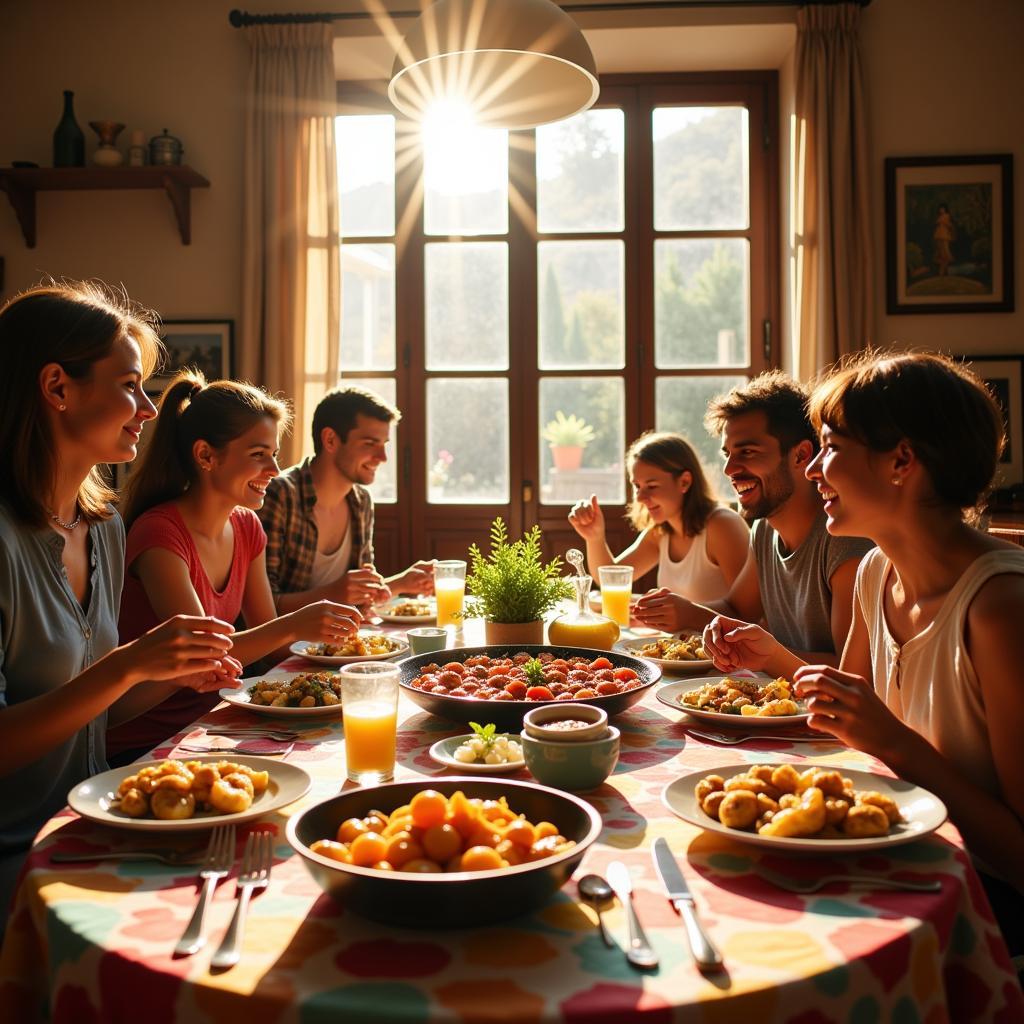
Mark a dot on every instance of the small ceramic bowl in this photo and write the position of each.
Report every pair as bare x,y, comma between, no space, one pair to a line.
576,767
542,722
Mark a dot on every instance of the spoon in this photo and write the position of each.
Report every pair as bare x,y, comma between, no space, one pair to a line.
575,558
597,892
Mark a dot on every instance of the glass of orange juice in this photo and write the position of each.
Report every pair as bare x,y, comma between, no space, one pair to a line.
449,590
369,697
616,590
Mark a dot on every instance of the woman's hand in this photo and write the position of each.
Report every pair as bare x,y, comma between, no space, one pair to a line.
417,579
661,609
225,677
325,621
181,646
363,587
587,519
847,706
734,644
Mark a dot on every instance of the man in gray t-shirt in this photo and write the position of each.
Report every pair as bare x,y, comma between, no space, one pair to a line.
798,579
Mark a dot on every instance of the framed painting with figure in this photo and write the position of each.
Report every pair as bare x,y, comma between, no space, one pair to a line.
949,234
204,344
1004,376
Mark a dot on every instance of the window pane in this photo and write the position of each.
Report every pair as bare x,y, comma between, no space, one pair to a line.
701,305
384,487
366,174
465,172
467,305
580,304
467,441
567,474
368,309
579,173
680,404
701,168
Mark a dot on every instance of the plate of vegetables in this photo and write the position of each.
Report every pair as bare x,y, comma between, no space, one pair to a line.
484,750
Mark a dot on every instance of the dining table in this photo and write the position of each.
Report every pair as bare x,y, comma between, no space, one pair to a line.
93,942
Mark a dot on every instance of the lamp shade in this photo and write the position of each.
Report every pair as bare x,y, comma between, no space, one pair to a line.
516,63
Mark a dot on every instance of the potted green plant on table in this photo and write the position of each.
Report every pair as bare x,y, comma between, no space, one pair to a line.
567,436
511,589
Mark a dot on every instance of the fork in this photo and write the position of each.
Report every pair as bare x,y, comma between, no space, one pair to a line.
257,861
727,739
284,735
238,748
809,885
220,854
172,857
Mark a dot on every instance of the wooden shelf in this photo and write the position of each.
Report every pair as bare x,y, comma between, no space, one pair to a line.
22,183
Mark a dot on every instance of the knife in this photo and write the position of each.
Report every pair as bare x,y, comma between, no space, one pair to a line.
704,951
640,952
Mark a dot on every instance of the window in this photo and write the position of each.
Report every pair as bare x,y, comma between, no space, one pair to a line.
533,301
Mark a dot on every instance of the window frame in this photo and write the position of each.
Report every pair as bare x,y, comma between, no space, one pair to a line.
423,529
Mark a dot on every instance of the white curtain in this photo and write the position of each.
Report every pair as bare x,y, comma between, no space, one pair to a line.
832,213
291,288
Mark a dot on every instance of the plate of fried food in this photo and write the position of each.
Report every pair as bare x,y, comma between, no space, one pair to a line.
302,694
809,808
750,702
674,654
361,647
411,611
208,790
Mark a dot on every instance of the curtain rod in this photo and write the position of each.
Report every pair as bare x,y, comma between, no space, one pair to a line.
243,19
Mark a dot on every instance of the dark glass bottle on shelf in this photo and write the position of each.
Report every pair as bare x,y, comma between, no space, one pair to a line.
68,140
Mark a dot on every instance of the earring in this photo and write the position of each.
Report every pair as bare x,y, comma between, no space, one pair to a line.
62,407
897,481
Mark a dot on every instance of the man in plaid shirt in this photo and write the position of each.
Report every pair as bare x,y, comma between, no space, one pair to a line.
318,515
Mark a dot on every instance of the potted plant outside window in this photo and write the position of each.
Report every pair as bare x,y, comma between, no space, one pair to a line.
511,589
567,436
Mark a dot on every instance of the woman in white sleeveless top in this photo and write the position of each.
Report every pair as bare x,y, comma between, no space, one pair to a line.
930,676
698,545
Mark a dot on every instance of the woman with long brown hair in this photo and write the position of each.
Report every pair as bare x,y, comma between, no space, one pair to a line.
195,544
74,358
697,545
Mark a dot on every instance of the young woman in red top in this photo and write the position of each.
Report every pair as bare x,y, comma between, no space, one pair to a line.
195,544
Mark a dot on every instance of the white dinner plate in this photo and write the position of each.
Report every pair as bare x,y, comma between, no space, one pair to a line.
671,695
443,752
240,699
93,799
301,648
923,812
634,648
387,613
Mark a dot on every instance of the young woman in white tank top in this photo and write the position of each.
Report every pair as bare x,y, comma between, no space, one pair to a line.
930,676
697,545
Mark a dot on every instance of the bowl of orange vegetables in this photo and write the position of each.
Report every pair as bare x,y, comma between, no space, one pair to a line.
450,852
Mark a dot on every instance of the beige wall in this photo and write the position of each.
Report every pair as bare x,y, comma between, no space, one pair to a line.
944,76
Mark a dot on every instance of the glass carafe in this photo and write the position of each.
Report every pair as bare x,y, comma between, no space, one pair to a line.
582,627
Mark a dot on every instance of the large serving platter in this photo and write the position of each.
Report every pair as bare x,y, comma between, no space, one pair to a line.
508,715
923,811
94,798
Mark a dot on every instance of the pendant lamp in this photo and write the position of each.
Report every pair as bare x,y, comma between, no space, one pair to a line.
515,63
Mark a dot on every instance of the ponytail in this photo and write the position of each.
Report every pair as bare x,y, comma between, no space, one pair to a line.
192,410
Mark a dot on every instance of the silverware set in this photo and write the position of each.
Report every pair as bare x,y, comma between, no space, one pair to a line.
257,861
728,738
598,893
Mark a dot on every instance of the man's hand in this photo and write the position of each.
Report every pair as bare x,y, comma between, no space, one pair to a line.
416,580
361,587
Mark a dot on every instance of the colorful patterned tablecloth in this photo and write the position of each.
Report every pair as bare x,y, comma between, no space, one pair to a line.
92,942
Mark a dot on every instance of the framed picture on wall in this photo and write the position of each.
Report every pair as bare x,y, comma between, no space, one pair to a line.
949,234
1004,376
205,344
